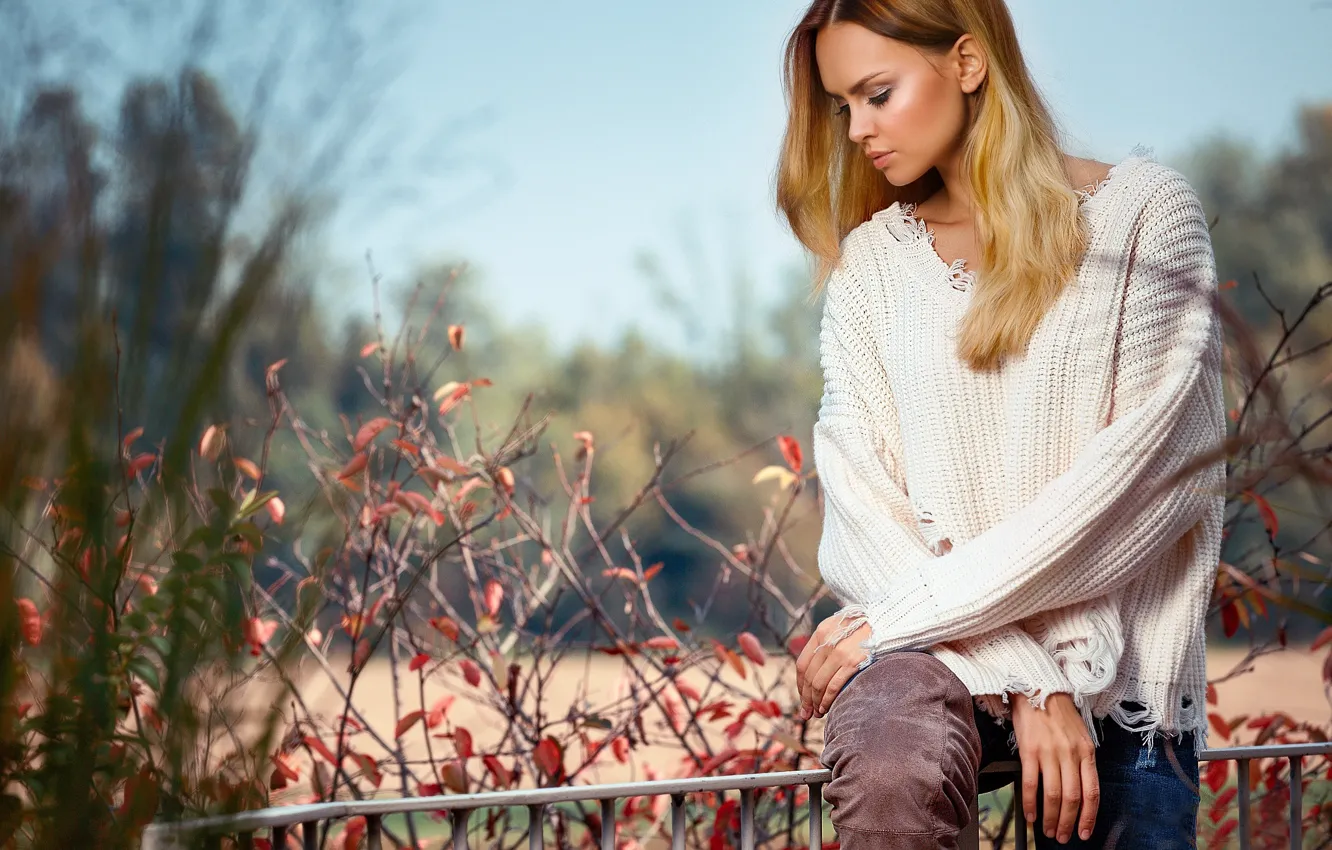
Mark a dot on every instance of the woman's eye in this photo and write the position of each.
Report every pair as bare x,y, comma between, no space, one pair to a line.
880,98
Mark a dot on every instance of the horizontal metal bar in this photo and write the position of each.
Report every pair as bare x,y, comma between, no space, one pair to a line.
278,818
288,815
1269,751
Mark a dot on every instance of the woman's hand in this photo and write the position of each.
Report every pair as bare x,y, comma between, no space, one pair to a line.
1053,744
822,670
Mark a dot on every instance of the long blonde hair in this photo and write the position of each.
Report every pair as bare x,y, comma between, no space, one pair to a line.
1028,224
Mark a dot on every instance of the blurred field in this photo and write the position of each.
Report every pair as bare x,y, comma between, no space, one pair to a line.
1289,681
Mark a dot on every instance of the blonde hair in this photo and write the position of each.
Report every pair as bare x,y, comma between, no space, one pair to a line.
1028,223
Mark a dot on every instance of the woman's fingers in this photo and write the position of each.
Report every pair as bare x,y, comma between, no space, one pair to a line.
834,687
1052,784
1031,780
1070,771
1091,793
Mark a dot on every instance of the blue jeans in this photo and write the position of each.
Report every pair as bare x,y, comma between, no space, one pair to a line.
1148,799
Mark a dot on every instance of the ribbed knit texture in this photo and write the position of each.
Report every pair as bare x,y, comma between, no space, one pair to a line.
1008,521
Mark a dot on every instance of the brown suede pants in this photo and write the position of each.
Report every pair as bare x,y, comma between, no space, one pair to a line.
902,744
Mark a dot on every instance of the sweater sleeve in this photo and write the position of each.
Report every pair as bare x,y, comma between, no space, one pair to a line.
1087,530
857,452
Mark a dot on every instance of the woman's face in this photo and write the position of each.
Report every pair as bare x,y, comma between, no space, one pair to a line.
906,112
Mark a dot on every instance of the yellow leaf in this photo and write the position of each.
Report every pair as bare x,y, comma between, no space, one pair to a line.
446,390
785,477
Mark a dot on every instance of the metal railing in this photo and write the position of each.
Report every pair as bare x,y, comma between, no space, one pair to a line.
278,821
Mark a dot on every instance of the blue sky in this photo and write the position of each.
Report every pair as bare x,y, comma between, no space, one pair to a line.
550,143
627,126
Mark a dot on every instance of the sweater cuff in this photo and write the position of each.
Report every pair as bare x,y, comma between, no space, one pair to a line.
907,608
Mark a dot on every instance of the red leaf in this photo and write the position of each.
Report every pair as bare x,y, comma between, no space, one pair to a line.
284,767
455,777
1219,805
680,625
462,742
548,756
355,465
620,748
504,477
726,656
494,596
661,642
30,622
321,748
369,348
407,722
1323,637
752,649
1229,619
446,627
352,835
1217,772
438,710
503,778
139,463
791,452
456,336
470,672
1224,831
1211,694
797,645
1265,511
277,510
418,504
369,431
651,571
418,661
247,468
688,690
1219,724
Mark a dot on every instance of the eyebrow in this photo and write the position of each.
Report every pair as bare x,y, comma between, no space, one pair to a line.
860,84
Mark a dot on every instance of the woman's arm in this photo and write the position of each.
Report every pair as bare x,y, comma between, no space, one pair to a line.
1088,529
868,519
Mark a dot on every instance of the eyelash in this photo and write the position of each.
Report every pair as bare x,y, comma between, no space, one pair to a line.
878,99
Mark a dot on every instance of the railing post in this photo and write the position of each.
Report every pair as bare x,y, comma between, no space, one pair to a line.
310,835
534,826
608,824
677,822
279,838
374,833
746,819
1245,831
458,817
1296,803
815,815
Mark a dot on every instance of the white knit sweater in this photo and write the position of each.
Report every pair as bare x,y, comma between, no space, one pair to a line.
1009,521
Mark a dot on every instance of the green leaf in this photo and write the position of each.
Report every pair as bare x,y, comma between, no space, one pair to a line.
250,532
187,561
158,644
138,621
254,503
145,670
223,500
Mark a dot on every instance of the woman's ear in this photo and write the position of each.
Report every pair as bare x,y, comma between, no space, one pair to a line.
970,63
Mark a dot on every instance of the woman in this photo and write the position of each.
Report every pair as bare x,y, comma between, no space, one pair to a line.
1018,442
